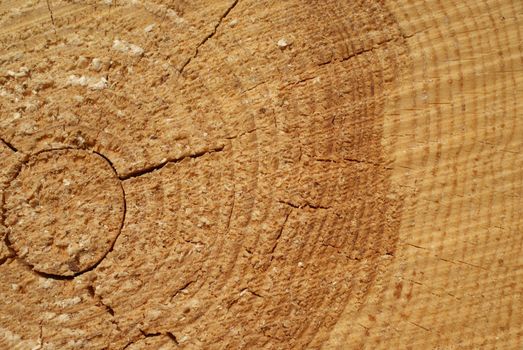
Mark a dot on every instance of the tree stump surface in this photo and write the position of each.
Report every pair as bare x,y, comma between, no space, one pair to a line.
261,175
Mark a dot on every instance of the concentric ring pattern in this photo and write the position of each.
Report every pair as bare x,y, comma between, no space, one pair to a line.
64,211
249,146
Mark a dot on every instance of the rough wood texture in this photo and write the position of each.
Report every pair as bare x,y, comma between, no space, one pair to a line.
85,198
254,174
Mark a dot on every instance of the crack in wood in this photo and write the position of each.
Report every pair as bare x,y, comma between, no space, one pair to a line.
182,289
172,336
51,14
304,205
209,36
155,167
241,293
146,334
9,145
280,232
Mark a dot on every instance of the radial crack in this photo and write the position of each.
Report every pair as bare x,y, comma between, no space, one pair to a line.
280,232
159,166
305,205
100,303
241,293
9,145
181,290
210,35
51,14
232,210
146,334
172,337
256,294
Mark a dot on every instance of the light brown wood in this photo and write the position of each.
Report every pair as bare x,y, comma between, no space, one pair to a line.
324,174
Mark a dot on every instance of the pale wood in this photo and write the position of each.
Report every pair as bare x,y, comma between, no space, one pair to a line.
455,131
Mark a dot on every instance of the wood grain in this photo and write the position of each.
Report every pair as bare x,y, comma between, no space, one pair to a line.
456,135
325,174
